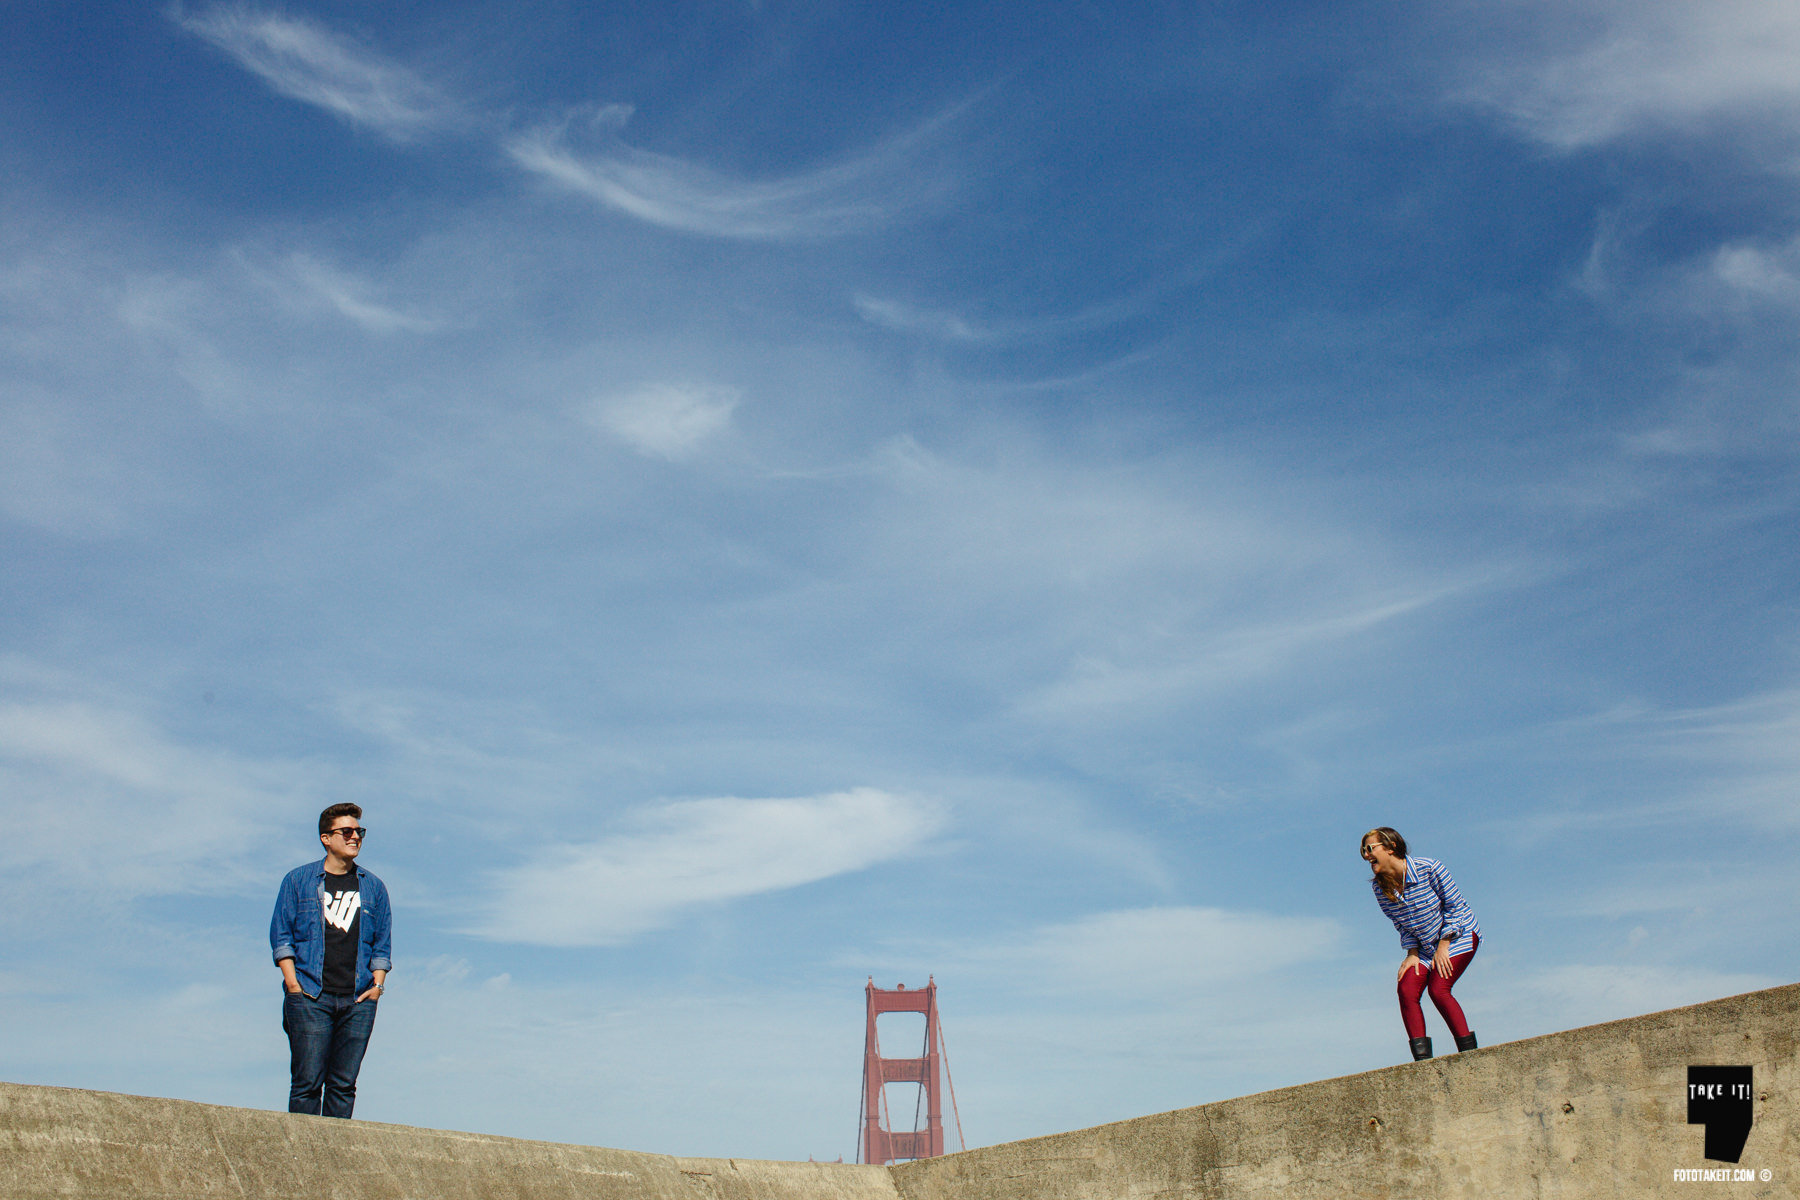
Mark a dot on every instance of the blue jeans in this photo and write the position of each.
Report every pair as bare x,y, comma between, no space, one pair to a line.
326,1040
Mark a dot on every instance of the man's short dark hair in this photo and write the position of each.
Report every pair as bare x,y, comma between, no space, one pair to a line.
331,814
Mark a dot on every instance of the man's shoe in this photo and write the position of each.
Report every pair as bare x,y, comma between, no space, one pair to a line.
1467,1042
1421,1048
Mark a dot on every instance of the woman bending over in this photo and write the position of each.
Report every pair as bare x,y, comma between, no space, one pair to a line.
1436,926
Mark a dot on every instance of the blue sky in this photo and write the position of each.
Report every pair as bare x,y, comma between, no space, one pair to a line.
752,496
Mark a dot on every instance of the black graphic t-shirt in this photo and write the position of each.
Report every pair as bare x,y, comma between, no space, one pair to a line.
343,922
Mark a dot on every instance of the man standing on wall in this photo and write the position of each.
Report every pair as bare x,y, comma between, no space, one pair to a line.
330,937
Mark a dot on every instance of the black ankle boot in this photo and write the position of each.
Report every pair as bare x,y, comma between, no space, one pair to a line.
1421,1048
1466,1043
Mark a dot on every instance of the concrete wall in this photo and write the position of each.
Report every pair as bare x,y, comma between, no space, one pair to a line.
102,1146
1594,1112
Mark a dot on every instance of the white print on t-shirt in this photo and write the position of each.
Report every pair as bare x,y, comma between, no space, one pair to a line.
341,911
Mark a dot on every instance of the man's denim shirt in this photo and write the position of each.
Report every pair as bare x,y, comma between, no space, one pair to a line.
297,930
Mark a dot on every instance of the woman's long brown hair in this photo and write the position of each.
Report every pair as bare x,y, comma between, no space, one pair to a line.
1393,841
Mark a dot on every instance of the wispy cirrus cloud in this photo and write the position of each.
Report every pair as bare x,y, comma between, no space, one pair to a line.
306,62
1748,752
174,321
860,193
1738,759
1094,683
665,420
676,856
1565,997
1163,950
1740,401
946,325
98,793
904,318
1616,67
307,283
53,475
1146,591
1761,274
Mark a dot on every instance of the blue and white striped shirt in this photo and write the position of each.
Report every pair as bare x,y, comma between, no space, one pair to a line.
1428,910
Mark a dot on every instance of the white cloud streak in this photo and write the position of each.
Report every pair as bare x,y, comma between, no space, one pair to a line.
309,63
1760,274
858,194
904,318
305,62
684,854
347,296
1097,683
666,420
96,793
1166,950
944,325
175,319
1566,997
1144,591
1741,402
53,475
1748,751
1643,64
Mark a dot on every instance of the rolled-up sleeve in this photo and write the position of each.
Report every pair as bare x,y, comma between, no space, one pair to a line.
281,923
381,930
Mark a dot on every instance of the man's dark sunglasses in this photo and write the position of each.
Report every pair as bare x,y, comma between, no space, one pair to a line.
351,831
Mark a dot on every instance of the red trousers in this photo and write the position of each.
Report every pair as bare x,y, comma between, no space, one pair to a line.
1425,979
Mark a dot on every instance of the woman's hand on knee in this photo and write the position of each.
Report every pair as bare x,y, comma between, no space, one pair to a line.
1406,964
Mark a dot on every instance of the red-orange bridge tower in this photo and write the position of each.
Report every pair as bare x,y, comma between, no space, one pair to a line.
881,1142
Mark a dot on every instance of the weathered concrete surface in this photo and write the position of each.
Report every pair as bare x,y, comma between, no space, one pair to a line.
102,1146
1591,1113
1594,1112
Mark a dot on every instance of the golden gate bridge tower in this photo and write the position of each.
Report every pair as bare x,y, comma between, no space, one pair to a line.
880,1143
